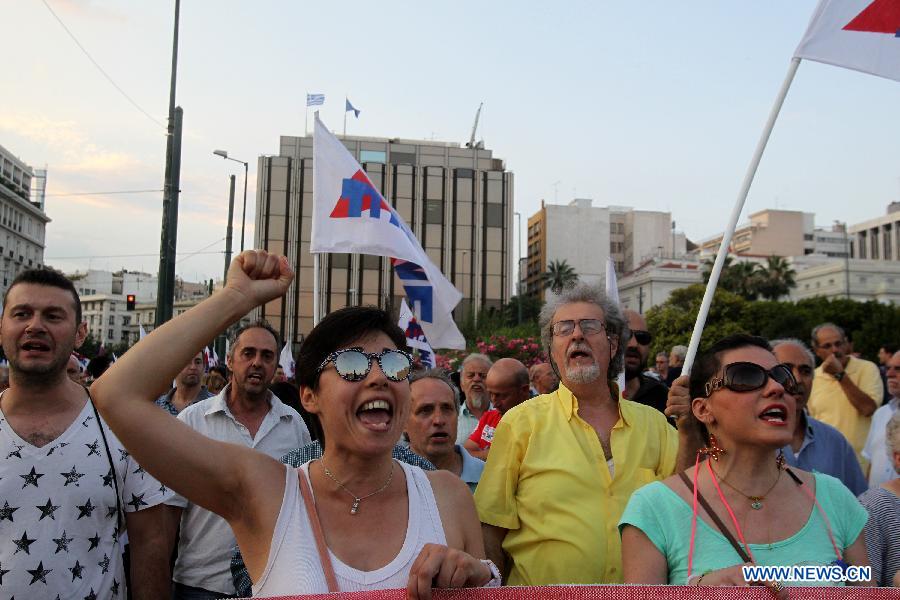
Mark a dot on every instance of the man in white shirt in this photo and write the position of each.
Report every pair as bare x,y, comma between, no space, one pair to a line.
875,450
244,412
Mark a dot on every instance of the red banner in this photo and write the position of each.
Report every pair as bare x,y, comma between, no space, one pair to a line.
623,592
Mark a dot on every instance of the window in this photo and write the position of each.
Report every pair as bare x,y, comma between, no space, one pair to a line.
371,262
126,320
112,320
109,335
494,215
434,211
403,158
372,156
340,261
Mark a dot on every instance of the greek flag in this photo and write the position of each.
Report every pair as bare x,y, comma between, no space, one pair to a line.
315,99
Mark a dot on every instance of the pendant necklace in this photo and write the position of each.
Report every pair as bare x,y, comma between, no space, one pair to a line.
756,502
354,508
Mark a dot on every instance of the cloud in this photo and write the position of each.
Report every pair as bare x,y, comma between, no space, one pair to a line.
70,149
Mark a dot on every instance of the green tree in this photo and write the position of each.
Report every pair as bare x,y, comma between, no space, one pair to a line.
531,308
741,278
559,276
776,278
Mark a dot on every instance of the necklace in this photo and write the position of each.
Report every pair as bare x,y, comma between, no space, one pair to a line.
755,501
357,499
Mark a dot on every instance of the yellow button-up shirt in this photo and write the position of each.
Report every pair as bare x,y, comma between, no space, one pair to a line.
546,481
828,402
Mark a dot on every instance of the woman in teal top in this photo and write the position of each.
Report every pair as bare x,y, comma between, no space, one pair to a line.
742,403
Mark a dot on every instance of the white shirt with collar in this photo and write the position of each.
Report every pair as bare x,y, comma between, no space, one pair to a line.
875,450
206,540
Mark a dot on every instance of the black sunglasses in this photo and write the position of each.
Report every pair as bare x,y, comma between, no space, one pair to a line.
642,337
748,376
354,364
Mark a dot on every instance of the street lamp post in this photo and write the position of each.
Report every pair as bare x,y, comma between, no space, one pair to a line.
519,269
224,154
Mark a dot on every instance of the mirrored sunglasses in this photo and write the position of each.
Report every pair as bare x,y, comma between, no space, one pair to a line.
747,377
354,364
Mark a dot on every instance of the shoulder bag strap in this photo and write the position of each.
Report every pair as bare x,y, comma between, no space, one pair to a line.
313,515
112,466
740,550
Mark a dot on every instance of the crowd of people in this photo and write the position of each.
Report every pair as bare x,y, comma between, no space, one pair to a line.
366,471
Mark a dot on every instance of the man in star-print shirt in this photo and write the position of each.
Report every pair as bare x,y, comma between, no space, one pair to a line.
60,518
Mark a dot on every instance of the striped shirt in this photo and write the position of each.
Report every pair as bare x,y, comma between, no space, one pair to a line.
882,534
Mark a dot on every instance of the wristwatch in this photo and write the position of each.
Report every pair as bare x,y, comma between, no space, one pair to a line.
840,376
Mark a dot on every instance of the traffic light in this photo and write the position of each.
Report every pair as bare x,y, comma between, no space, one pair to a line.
129,301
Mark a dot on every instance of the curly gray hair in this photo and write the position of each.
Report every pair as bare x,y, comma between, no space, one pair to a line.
614,321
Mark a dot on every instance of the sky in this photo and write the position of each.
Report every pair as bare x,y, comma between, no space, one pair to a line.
656,105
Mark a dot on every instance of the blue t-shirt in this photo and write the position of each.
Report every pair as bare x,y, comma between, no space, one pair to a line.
665,518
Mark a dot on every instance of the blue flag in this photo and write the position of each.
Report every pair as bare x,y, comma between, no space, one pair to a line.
349,107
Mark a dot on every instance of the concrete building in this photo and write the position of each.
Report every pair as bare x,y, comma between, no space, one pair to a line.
857,279
584,236
879,238
654,281
104,302
22,220
780,233
457,200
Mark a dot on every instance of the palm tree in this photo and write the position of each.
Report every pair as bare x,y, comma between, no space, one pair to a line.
559,276
776,278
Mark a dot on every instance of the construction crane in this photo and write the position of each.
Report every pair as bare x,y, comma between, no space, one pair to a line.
471,143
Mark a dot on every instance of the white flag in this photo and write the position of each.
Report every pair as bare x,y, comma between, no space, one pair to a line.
855,34
142,333
350,215
415,336
286,360
612,292
215,357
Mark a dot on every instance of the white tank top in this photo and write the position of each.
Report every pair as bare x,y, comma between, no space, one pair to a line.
294,566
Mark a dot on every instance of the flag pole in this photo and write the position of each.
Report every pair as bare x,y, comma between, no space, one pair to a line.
735,214
345,115
306,116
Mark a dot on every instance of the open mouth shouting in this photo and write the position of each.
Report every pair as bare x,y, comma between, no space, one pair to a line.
579,352
33,347
375,415
256,378
775,414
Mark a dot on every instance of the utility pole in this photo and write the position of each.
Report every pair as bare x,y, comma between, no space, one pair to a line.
228,230
169,235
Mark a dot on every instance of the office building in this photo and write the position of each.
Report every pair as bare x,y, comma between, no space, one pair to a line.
22,219
457,201
878,238
584,236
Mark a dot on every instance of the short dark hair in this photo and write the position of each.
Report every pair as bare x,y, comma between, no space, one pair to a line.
889,347
258,324
709,363
338,329
48,277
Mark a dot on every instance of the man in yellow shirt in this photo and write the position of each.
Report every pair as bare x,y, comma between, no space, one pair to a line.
563,465
846,390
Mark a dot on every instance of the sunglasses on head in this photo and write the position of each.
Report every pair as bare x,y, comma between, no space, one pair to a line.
747,377
354,364
641,337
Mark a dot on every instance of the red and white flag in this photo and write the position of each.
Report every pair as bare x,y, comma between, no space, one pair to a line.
350,215
863,35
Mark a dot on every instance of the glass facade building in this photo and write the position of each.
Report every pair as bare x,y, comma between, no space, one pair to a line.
457,200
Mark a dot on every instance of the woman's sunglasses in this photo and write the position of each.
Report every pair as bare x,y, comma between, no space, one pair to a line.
353,364
748,376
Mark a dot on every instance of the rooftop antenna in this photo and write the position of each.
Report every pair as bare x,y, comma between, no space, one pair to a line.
471,143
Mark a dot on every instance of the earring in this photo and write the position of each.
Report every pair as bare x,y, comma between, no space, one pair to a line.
713,450
779,460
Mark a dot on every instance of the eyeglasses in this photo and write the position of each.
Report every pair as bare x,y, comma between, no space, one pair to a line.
353,364
588,327
641,337
747,376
